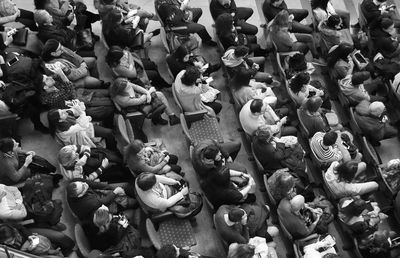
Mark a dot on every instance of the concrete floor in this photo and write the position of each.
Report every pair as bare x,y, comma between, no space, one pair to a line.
207,241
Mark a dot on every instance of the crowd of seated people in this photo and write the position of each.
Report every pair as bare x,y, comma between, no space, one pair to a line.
107,185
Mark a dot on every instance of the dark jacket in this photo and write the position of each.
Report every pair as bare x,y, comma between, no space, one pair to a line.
231,234
85,206
171,15
384,43
370,10
269,157
202,166
64,35
271,11
217,9
176,66
120,35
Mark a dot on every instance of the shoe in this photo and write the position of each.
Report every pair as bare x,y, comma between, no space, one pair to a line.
159,121
210,43
95,37
155,32
41,128
59,227
319,62
174,120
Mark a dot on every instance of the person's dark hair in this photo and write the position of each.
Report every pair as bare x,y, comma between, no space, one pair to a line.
347,170
54,122
7,232
281,20
40,4
385,23
50,46
329,138
133,149
261,137
210,152
118,87
72,189
114,55
241,79
146,181
256,105
319,4
342,51
313,104
108,1
223,24
241,51
6,144
180,52
241,251
190,76
167,251
333,21
111,20
297,62
298,81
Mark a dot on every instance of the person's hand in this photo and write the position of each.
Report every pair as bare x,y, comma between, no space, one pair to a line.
105,163
31,153
166,159
291,18
119,191
28,160
151,90
185,190
229,159
256,66
284,120
148,98
17,14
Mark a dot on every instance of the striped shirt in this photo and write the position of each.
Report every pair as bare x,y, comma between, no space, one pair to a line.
324,153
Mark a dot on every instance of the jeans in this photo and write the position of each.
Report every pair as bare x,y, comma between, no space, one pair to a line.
26,18
216,106
243,13
57,238
107,134
299,15
193,27
305,43
152,73
232,147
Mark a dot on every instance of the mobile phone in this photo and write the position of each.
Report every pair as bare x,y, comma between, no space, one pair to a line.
14,60
359,58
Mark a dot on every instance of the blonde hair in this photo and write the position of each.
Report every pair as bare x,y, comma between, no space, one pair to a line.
101,219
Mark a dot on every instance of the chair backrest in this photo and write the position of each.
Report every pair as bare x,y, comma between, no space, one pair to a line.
258,163
370,155
303,127
185,129
268,190
122,129
361,18
353,123
290,93
175,94
169,70
81,240
285,231
153,234
328,190
281,70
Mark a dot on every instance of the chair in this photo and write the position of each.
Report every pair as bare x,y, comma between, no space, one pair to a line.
270,197
206,128
165,29
125,129
353,123
153,214
258,163
330,194
153,235
371,157
8,126
296,242
6,251
81,241
304,131
278,56
361,18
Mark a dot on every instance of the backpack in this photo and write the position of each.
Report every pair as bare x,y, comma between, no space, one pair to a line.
37,200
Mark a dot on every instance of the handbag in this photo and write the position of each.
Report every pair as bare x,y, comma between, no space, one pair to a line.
21,37
38,164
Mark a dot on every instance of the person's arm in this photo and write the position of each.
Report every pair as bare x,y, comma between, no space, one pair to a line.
157,169
126,101
166,180
16,175
125,72
7,19
59,11
139,89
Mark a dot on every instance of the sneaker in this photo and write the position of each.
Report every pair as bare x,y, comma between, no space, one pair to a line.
173,120
159,121
210,43
319,62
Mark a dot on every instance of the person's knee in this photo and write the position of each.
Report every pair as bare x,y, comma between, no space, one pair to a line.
273,231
